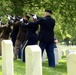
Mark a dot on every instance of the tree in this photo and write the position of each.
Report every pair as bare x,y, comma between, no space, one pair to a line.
63,12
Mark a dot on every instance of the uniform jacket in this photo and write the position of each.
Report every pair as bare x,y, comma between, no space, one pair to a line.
22,33
46,33
31,34
6,32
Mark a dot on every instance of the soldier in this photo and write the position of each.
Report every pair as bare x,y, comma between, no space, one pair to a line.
0,35
14,33
31,37
20,36
6,30
1,26
46,36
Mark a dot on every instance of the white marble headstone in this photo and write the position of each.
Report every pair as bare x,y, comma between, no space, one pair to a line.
60,54
71,63
56,53
33,60
68,51
7,57
44,56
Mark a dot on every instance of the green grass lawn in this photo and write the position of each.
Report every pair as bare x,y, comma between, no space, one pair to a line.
19,68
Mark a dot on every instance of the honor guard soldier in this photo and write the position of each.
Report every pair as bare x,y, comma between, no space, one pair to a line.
20,36
31,37
46,35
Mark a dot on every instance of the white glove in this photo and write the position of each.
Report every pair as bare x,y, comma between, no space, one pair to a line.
35,17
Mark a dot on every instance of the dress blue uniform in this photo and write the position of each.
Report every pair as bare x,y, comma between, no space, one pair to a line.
31,36
46,37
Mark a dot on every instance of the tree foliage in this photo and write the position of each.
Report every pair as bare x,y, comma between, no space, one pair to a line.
63,12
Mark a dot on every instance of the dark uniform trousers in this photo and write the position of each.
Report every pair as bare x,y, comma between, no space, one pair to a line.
50,52
26,43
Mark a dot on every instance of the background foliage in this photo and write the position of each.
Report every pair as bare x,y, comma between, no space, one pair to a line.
63,12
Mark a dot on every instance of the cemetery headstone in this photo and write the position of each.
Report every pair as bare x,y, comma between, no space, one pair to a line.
33,60
44,56
68,51
56,53
7,57
71,63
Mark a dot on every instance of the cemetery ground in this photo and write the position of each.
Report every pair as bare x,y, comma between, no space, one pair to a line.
19,67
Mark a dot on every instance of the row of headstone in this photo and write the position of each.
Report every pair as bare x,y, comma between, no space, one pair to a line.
65,47
59,52
70,59
58,55
33,59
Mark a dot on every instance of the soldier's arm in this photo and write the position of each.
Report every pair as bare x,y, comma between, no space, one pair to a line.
37,22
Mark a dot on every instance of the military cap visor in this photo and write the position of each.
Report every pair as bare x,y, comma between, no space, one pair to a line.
47,10
27,16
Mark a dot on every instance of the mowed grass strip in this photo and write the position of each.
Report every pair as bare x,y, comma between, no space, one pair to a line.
19,68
